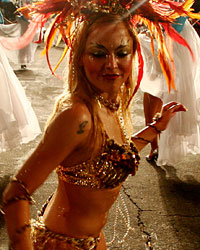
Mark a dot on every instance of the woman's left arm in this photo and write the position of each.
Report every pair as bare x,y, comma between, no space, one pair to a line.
146,135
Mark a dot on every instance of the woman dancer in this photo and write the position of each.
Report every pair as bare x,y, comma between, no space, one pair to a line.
87,139
182,135
18,122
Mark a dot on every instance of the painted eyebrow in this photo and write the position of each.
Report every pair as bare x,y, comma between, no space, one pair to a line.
100,46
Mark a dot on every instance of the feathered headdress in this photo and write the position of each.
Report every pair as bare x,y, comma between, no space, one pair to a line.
154,14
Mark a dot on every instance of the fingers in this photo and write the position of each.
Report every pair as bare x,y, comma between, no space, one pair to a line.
180,107
168,105
174,107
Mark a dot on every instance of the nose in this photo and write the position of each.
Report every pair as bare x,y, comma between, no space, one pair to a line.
111,62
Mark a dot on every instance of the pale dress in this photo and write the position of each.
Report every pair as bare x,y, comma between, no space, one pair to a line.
24,56
182,135
18,122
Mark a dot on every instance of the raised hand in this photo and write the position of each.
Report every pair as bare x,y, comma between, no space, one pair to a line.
168,111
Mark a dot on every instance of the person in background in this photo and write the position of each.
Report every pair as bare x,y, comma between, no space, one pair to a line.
182,135
18,122
15,25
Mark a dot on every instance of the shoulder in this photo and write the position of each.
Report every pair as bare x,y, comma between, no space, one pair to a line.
71,125
75,114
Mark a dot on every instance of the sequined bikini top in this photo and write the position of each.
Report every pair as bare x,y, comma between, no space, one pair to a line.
110,168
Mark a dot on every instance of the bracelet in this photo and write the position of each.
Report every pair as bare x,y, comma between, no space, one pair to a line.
18,232
15,199
23,228
26,196
153,126
20,182
141,138
157,117
27,193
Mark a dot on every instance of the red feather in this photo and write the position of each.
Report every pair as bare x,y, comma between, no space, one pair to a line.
140,72
177,37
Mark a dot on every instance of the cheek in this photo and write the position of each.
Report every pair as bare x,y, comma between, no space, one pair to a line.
91,65
126,64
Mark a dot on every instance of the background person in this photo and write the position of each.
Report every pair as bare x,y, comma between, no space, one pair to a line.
182,135
18,122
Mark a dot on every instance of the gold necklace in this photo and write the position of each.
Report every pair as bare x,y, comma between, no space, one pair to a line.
123,130
123,136
113,106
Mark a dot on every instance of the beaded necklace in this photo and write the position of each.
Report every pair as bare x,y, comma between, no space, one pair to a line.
112,106
124,133
121,208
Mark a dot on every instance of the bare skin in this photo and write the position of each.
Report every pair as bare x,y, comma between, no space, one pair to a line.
107,67
65,213
74,210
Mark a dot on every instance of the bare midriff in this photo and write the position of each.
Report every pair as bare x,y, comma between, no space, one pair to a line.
79,211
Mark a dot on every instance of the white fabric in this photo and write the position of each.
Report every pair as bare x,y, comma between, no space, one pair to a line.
182,135
26,55
18,122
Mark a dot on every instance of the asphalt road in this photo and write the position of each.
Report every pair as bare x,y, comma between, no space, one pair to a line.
163,203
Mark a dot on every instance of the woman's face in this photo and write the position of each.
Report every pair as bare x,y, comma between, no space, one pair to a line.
108,56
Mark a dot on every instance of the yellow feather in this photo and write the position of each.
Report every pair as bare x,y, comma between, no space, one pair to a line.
194,15
46,36
187,4
59,38
61,58
49,45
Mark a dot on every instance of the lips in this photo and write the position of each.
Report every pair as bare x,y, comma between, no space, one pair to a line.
111,76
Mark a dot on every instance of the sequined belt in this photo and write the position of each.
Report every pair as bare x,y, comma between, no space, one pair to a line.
44,239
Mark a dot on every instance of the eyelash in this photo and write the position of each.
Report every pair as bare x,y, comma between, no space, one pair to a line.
101,55
98,55
122,54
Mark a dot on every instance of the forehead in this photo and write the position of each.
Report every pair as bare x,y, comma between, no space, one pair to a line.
109,34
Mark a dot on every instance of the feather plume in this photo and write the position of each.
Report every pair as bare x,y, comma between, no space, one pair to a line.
166,70
177,37
151,13
140,72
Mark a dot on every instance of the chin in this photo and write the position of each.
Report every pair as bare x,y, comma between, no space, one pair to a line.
107,85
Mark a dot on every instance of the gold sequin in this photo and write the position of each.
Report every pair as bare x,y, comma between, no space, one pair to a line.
108,170
45,239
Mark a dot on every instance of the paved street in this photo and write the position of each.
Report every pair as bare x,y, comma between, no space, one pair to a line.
163,203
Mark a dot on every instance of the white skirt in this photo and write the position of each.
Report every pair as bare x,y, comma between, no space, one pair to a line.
182,135
16,30
18,122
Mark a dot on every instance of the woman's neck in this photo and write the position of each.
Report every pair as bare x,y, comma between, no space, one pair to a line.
111,104
111,97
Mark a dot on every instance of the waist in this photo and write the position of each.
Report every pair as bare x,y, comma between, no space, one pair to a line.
76,225
79,211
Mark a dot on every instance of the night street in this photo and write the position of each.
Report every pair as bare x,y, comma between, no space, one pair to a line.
163,202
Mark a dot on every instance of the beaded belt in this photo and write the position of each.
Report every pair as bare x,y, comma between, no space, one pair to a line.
43,238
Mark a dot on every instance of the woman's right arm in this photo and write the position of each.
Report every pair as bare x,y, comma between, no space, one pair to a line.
68,130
